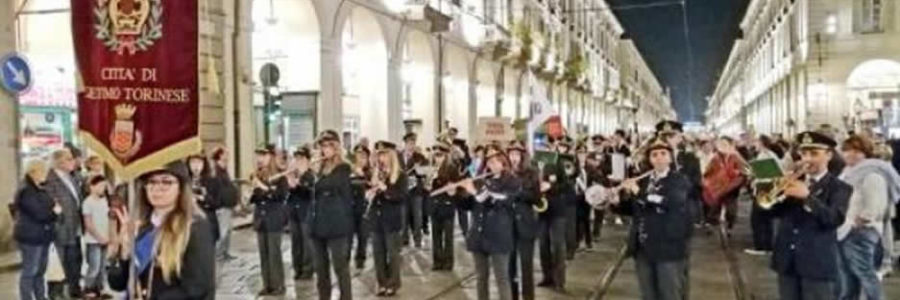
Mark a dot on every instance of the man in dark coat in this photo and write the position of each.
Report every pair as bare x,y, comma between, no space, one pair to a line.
660,230
63,188
805,255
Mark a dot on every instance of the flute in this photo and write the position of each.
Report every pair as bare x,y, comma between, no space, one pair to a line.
451,186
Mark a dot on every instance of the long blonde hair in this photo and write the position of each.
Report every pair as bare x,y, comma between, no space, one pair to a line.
394,170
175,230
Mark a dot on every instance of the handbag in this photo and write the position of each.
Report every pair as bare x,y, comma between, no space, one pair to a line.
54,266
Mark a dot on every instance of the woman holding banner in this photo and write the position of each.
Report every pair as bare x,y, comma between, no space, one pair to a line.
172,253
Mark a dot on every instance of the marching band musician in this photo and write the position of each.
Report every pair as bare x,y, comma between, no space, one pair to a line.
687,163
806,254
525,222
601,157
552,222
269,219
359,180
443,208
589,176
331,218
390,190
300,182
660,230
491,237
570,167
413,207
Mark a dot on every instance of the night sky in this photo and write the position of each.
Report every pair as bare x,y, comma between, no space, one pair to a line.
659,35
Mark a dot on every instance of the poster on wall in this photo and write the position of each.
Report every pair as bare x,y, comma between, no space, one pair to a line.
138,75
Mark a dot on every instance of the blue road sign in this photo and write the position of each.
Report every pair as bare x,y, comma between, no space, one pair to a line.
15,73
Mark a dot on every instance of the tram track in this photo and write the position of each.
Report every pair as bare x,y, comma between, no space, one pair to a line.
738,282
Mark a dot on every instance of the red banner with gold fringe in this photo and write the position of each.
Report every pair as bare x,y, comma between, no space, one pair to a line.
138,102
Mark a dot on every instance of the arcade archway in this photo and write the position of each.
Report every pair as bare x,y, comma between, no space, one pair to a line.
364,61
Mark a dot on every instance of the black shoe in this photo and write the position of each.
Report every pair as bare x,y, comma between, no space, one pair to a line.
545,283
278,292
264,292
360,264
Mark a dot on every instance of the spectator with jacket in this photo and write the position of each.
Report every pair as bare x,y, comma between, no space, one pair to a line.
227,193
64,188
35,213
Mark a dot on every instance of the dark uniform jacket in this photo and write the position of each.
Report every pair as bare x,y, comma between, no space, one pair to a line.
492,224
560,189
34,215
659,232
525,218
387,206
444,205
331,214
300,197
415,181
269,214
197,278
806,242
359,183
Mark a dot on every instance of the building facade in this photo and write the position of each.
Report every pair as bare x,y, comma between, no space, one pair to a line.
803,64
366,68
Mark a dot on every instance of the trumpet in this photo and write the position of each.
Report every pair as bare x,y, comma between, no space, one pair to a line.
766,198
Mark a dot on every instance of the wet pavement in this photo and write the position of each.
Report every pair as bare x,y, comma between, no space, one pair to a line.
719,270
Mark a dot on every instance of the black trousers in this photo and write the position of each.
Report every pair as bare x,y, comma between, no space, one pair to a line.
386,250
71,258
301,250
597,228
442,243
522,258
271,263
762,223
361,232
583,226
552,241
571,231
413,217
730,205
325,253
463,215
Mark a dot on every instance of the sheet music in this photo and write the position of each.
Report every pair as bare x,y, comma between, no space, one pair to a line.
618,166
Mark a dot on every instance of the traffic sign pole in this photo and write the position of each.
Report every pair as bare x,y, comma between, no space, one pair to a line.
16,79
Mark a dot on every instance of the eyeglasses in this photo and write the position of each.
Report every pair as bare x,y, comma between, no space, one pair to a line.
161,183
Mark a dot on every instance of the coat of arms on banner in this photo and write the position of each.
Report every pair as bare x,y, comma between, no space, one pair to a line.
128,25
124,140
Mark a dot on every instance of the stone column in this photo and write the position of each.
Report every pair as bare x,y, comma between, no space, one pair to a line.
8,135
395,99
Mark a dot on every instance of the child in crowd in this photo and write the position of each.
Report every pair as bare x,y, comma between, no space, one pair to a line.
96,224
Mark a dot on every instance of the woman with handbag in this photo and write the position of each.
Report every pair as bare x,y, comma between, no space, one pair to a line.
722,183
169,247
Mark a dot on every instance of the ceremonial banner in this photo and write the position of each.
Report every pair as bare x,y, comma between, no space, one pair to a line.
138,75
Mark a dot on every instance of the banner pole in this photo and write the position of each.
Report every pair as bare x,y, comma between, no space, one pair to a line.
132,211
